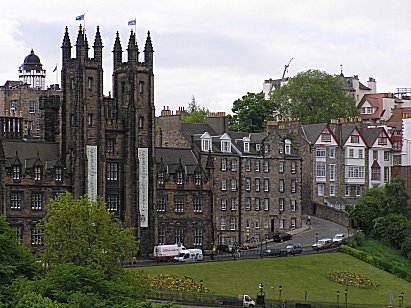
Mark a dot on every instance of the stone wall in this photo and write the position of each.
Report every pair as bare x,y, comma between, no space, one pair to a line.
331,214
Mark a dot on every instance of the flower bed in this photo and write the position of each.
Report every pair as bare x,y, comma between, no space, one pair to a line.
352,279
176,283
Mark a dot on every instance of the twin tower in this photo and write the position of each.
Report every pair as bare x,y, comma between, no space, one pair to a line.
107,143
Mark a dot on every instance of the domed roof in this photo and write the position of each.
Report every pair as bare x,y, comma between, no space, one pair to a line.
32,59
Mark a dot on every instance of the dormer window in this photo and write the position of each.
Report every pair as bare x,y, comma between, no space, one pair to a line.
246,147
287,147
180,178
205,142
225,143
198,179
161,178
258,147
37,173
58,174
355,138
16,172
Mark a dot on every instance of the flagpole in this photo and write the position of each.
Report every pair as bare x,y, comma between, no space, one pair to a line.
84,24
135,25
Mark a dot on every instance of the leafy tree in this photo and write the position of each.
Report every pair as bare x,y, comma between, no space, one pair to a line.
250,112
194,113
84,233
367,208
391,229
313,96
397,197
15,259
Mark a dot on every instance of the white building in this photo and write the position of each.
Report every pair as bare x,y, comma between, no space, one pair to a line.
31,72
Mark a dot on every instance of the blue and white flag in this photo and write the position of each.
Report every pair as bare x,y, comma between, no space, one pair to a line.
132,22
80,17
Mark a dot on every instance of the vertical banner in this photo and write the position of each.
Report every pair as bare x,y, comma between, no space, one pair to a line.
92,172
143,186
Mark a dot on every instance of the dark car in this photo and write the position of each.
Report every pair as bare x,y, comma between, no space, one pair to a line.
270,253
282,236
226,248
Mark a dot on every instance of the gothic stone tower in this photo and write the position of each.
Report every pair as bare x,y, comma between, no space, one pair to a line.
108,141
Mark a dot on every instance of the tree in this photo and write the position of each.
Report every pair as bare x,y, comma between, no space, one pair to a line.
391,229
84,233
250,113
313,96
194,113
397,197
15,259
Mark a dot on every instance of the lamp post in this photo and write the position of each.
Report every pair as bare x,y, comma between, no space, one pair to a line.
316,238
401,300
348,231
280,288
272,304
338,299
201,289
305,295
346,296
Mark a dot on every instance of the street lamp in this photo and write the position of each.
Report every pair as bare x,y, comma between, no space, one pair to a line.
201,286
305,295
338,299
401,299
280,288
348,231
316,238
272,304
346,295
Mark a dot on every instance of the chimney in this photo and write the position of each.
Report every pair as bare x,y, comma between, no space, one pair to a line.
372,84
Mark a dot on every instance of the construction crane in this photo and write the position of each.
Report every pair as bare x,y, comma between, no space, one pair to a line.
285,69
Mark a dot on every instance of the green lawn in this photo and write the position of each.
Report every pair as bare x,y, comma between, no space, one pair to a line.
296,275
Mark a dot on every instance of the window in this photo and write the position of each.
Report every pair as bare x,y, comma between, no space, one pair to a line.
198,205
37,173
287,147
257,166
233,184
179,205
293,186
223,204
233,203
180,178
36,201
386,156
355,139
325,137
58,174
161,236
141,122
257,184
232,223
257,204
179,235
396,160
266,185
331,152
224,184
246,147
281,185
347,190
358,190
258,147
247,184
293,222
382,140
282,223
222,223
38,124
161,178
351,153
281,204
321,189
16,172
375,154
36,236
293,167
386,174
321,169
248,204
90,119
140,87
198,237
375,174
19,233
223,164
320,153
13,105
32,108
360,153
266,223
90,83
248,223
356,172
198,179
247,165
257,224
112,202
266,166
161,204
266,204
205,145
281,167
16,200
112,171
233,165
332,189
293,205
332,172
225,146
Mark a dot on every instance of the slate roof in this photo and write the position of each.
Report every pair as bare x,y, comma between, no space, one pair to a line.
312,131
171,157
371,134
189,129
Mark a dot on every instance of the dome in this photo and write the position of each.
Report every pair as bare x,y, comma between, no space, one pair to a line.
32,59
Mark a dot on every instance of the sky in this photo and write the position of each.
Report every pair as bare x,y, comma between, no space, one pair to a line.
215,50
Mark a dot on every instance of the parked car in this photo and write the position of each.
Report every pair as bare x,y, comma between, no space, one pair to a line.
270,253
294,249
339,239
249,245
323,243
226,248
282,236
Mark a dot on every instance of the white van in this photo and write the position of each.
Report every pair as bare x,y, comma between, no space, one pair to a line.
190,255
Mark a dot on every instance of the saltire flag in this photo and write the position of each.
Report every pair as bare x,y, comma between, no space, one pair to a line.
132,22
55,69
80,17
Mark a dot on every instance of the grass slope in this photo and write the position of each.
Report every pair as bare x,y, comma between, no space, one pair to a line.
296,275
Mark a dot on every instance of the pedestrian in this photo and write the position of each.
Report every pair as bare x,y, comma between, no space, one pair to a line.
309,220
238,252
284,303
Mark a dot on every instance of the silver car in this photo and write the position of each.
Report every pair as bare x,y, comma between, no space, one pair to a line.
323,243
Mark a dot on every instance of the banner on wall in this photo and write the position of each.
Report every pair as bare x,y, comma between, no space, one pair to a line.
91,151
143,186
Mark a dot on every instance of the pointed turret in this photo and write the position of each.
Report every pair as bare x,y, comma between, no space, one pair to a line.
80,45
148,51
98,47
210,163
66,47
117,52
132,48
86,44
